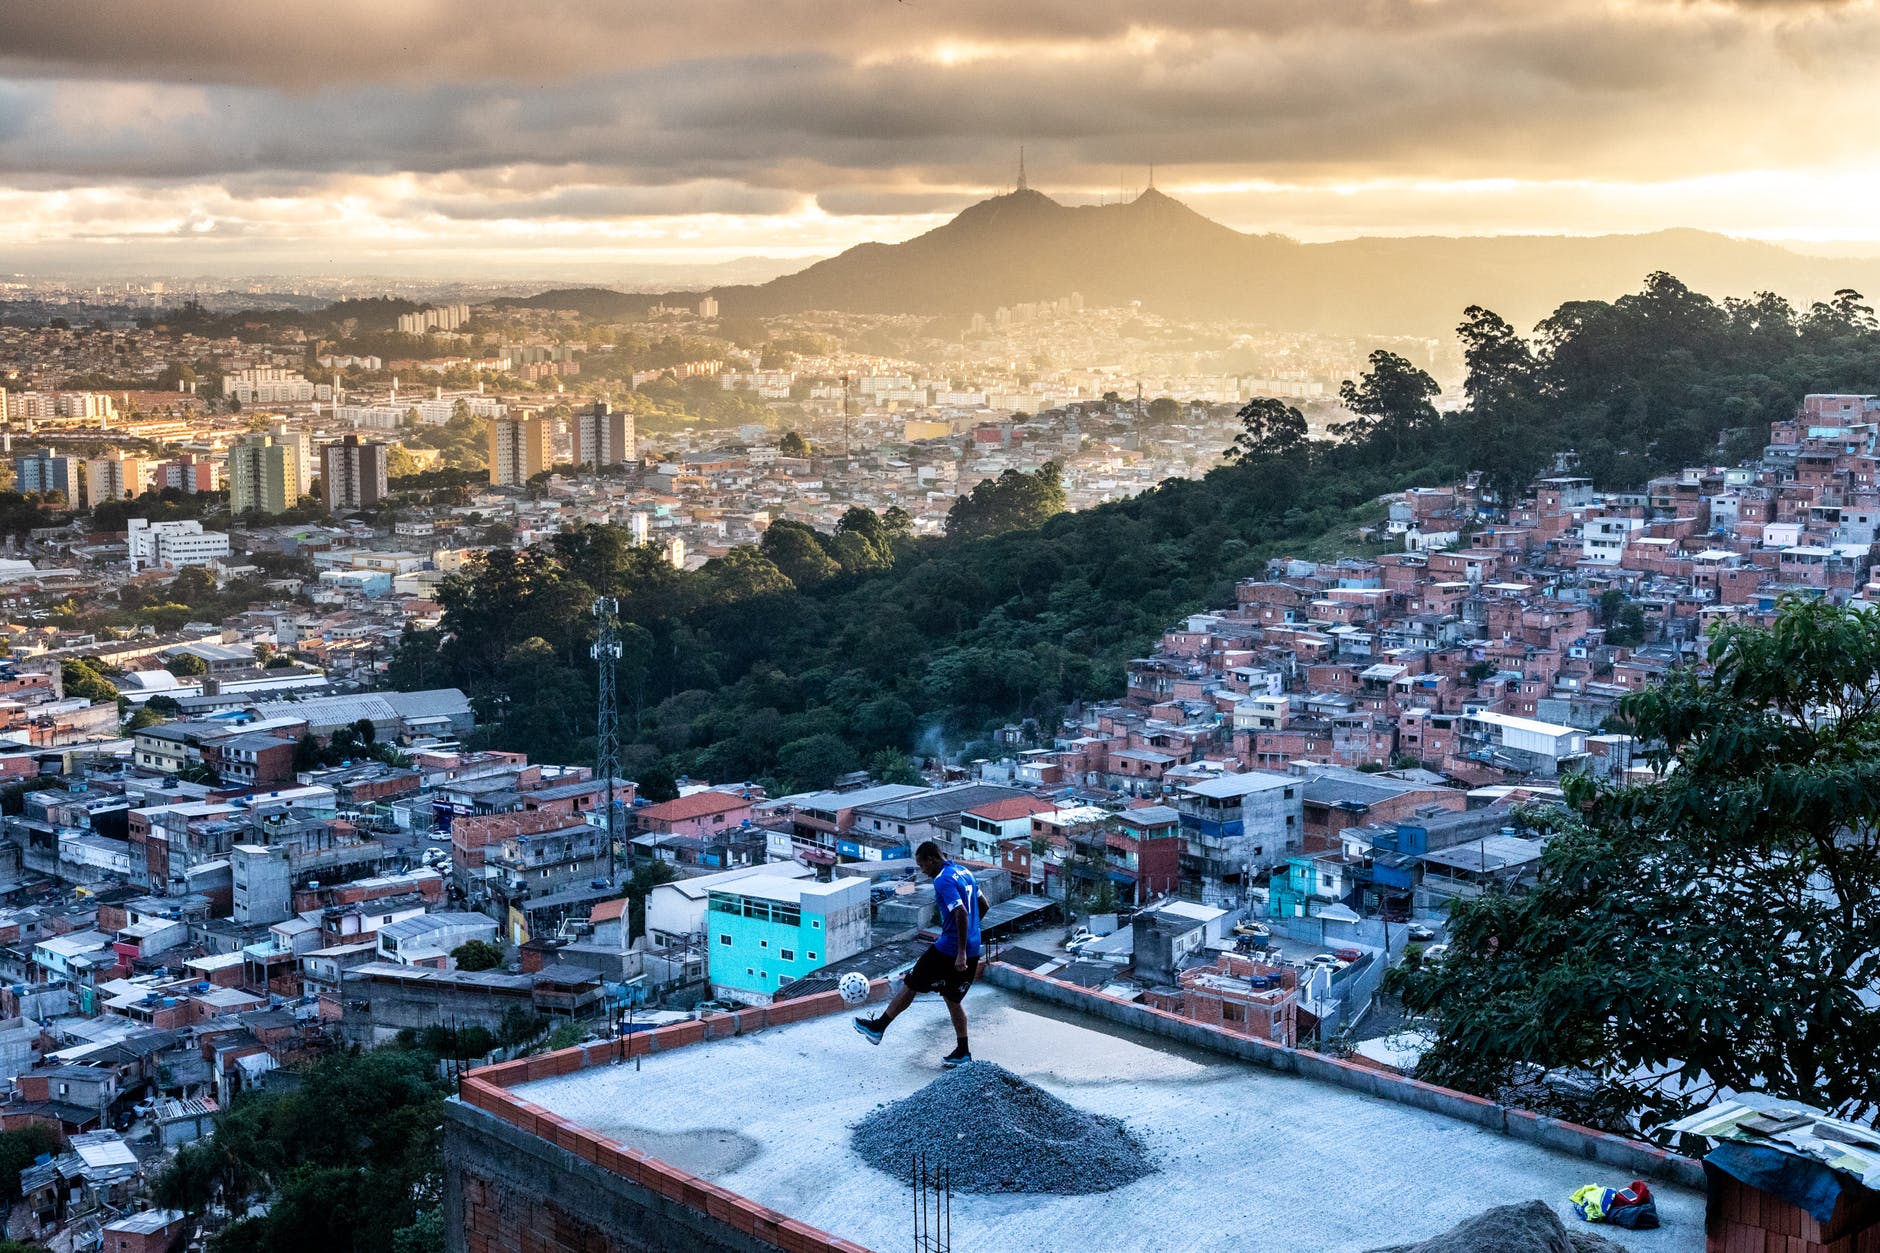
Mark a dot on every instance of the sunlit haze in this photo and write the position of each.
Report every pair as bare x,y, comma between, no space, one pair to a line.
521,140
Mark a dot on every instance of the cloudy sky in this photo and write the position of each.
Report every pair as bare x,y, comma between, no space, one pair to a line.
500,138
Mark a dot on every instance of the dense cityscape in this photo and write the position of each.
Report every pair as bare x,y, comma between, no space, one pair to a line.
584,597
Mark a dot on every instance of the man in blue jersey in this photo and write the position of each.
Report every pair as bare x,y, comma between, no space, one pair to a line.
949,964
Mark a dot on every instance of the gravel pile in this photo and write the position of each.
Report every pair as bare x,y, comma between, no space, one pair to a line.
997,1133
1531,1227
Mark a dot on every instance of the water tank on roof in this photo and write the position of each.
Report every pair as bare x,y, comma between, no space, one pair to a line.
169,1002
203,986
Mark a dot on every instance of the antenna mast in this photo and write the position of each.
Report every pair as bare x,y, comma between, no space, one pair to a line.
1022,184
606,653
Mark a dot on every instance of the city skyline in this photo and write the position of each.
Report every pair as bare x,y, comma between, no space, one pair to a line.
232,139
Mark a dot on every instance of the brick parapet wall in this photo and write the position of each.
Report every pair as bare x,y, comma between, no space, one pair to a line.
623,1200
649,1204
1632,1156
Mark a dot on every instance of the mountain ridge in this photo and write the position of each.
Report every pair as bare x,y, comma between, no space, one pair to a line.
1024,246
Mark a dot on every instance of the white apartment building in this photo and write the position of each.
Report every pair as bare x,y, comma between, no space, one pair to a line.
1603,540
437,410
173,545
268,385
372,417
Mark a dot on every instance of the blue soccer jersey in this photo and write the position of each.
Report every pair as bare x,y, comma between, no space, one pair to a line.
955,889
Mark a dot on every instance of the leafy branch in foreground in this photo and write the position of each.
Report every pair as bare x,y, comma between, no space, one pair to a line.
1715,930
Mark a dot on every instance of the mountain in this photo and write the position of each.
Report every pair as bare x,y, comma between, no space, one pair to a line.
1025,246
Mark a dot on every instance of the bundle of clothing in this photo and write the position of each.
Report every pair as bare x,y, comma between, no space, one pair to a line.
1629,1207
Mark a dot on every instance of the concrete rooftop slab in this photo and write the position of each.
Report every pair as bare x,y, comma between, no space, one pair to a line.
1250,1158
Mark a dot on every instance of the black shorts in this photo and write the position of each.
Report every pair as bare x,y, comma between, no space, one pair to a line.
935,972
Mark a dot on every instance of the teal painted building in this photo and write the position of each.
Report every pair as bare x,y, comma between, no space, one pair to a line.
764,931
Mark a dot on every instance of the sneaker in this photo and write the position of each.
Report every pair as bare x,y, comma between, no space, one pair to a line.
958,1057
867,1029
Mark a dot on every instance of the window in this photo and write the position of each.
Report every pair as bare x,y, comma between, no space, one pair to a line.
749,970
763,944
725,940
788,955
1230,1012
811,956
816,922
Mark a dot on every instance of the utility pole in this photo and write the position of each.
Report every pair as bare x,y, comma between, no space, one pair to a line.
606,653
848,385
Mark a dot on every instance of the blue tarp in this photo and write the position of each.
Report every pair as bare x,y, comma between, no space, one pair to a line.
1803,1183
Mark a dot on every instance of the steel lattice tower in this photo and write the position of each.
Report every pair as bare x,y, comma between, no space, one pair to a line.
606,652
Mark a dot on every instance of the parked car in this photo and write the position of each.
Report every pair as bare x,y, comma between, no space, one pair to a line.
1421,934
1348,955
1258,930
1328,960
1080,939
1435,952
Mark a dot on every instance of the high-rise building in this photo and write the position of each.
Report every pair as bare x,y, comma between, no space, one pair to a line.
521,447
113,477
188,474
296,438
708,307
352,474
603,437
44,470
263,475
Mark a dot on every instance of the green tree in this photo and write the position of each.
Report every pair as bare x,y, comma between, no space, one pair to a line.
1390,405
793,445
891,765
1269,430
193,585
815,761
1712,931
473,955
1628,627
1013,501
80,677
18,1148
793,548
1503,389
188,665
143,717
346,1159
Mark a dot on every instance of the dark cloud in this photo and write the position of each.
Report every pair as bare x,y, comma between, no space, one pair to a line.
592,111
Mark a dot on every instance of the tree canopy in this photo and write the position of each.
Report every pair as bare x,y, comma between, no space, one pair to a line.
921,645
1715,930
1012,502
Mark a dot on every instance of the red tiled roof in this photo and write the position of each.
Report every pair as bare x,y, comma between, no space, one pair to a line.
697,805
1015,807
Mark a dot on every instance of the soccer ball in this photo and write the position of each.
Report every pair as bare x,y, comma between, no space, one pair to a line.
853,986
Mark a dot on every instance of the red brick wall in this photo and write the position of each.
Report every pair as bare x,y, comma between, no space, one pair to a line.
163,1241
